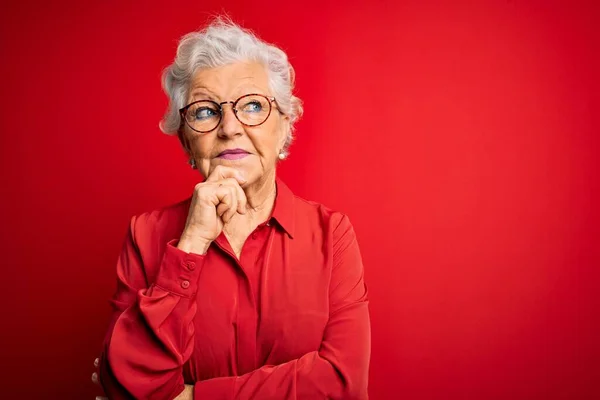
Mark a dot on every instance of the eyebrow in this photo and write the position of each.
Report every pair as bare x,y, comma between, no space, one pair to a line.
250,89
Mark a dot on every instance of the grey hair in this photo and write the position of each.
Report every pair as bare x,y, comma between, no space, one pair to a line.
220,43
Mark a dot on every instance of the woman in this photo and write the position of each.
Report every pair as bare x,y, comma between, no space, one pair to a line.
243,291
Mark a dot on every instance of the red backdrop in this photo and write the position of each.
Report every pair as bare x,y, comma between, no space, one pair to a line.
462,141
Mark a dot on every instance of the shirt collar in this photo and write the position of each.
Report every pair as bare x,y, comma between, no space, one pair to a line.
283,210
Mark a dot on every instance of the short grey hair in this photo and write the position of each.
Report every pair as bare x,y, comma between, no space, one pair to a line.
220,43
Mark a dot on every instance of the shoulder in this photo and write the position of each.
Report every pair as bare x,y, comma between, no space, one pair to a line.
310,214
330,233
160,225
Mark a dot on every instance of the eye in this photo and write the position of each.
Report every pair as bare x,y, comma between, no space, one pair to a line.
204,112
253,106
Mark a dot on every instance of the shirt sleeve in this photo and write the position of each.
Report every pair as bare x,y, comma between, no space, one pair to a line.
151,331
339,370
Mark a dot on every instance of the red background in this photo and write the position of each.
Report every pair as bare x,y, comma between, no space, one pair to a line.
460,138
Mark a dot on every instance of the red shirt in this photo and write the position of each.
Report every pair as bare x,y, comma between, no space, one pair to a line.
288,320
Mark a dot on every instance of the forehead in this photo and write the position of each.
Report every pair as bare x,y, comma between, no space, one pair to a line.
230,80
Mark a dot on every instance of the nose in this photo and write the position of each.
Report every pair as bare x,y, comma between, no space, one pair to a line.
230,125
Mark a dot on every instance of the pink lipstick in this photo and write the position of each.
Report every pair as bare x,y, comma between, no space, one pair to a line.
233,154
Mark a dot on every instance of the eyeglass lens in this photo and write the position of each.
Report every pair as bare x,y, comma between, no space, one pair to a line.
250,110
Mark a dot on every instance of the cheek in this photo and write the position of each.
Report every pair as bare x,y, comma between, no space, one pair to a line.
266,141
202,146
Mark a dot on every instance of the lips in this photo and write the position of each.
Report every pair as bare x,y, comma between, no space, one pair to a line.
233,154
232,151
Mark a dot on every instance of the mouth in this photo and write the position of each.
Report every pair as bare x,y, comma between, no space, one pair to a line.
233,154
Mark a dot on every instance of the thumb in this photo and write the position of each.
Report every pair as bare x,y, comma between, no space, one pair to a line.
221,172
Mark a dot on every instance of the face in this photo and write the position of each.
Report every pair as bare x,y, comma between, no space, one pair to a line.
260,145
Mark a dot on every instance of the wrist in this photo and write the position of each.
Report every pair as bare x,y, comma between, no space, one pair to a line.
196,246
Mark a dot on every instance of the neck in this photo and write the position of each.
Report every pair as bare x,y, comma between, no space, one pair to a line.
260,197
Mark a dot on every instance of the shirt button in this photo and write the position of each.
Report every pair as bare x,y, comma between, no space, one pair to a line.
185,284
190,265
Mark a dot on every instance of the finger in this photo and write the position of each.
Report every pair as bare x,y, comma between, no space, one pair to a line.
241,198
224,199
240,195
231,211
221,172
96,362
101,398
221,210
95,378
232,207
226,213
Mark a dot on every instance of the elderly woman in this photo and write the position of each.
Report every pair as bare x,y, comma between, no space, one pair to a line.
244,290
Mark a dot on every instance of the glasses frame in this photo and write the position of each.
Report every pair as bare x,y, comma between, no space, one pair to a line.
183,110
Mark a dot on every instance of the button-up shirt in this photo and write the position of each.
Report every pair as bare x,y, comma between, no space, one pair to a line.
287,320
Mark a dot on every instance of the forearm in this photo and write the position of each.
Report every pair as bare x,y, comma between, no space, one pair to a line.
339,370
148,347
150,340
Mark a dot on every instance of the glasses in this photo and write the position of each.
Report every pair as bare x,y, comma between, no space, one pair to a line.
205,115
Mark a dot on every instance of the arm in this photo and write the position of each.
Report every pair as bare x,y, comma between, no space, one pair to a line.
339,369
151,331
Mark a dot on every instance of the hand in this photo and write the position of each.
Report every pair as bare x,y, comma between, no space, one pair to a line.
187,394
214,203
95,378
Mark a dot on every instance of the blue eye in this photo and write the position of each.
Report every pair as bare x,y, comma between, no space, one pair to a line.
253,107
202,113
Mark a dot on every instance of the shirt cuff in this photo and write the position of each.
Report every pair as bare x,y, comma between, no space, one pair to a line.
215,389
179,271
